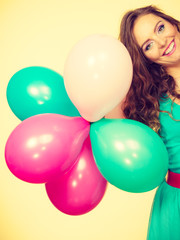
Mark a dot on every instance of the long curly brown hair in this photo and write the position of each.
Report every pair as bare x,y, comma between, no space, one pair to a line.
150,80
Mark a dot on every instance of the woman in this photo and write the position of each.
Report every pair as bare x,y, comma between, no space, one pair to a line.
153,41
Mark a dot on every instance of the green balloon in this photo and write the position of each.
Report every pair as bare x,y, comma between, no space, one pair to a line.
129,154
37,90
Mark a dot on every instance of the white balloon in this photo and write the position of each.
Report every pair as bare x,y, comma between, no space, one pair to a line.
97,75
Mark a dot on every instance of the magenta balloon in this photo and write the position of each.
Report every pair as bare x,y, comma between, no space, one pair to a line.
81,188
44,146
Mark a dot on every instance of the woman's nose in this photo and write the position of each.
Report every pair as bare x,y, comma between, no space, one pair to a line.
161,42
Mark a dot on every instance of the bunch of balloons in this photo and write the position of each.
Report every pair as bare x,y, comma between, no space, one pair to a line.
49,147
65,142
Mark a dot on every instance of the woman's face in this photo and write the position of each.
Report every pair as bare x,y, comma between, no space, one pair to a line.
158,39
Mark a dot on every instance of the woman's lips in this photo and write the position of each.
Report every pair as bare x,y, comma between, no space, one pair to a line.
170,49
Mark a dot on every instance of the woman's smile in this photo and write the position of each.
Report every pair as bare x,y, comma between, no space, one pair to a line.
170,49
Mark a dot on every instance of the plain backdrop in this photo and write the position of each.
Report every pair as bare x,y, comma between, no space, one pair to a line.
41,33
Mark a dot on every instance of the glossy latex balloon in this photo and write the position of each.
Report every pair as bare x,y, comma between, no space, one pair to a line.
97,75
44,146
81,188
36,90
129,154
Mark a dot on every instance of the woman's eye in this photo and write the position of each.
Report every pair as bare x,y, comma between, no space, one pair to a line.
148,46
161,28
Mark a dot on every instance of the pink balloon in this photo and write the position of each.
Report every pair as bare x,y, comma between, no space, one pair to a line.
44,146
81,188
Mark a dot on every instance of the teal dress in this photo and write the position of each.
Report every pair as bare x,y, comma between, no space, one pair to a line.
164,222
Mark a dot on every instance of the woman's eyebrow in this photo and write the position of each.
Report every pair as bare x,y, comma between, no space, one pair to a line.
154,32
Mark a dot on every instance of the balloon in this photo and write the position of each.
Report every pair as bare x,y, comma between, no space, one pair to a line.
36,90
129,154
97,75
81,188
44,146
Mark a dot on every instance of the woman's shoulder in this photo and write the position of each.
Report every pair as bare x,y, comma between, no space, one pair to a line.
164,102
165,98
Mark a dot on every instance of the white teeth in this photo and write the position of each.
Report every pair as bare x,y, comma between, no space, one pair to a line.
169,49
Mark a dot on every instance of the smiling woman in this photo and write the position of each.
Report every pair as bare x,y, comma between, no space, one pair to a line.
153,41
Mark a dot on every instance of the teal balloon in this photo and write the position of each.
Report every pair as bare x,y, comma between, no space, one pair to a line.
37,90
129,154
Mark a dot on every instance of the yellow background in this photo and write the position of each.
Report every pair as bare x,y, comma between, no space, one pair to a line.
41,33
